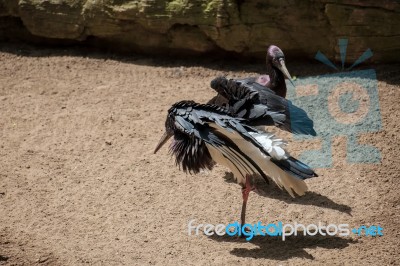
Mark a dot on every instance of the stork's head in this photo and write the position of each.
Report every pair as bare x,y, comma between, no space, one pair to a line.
276,58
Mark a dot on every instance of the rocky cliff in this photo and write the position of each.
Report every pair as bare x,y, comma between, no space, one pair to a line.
245,27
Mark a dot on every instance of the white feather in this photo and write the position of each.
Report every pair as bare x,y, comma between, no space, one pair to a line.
267,140
272,145
238,164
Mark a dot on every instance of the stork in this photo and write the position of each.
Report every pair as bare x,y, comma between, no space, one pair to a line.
205,134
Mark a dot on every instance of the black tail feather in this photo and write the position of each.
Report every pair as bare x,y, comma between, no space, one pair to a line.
296,168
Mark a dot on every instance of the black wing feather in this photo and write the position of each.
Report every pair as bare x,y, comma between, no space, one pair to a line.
191,132
261,106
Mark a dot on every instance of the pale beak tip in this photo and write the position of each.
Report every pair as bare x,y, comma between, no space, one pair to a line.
286,72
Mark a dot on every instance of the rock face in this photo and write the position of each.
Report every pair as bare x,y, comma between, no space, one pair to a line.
245,27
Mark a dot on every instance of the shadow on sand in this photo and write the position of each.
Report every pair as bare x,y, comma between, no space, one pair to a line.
268,247
310,198
224,63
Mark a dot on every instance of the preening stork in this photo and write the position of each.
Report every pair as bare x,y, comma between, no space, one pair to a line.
260,106
206,134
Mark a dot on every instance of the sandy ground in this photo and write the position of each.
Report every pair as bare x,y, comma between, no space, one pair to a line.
79,183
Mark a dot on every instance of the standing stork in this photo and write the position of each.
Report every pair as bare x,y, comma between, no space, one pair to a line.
207,134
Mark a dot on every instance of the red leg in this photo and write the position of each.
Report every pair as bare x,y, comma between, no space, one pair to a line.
245,193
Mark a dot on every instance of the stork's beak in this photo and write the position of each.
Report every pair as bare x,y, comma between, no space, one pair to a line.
162,141
284,70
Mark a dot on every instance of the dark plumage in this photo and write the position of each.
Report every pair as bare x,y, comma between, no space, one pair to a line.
208,134
260,106
274,79
262,100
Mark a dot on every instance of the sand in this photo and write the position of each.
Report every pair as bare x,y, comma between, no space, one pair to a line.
79,183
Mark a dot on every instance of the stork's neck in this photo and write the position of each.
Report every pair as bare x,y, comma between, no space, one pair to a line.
277,80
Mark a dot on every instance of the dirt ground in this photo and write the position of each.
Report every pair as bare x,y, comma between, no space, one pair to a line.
79,183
